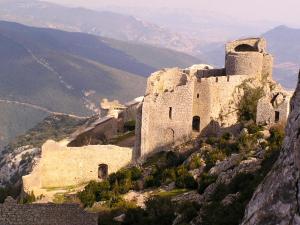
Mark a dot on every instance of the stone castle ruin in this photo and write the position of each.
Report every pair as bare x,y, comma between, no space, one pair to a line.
178,104
199,100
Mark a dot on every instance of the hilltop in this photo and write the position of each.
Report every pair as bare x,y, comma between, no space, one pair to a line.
70,72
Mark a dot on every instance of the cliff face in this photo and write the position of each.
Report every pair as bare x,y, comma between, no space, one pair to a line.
276,200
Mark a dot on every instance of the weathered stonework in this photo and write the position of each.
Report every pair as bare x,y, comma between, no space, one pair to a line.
273,108
61,166
199,100
12,213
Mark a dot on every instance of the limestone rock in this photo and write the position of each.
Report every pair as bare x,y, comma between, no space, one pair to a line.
225,165
230,198
120,218
192,196
276,200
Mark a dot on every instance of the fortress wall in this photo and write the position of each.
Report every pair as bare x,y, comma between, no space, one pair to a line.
268,62
249,63
12,213
158,129
266,111
210,73
215,93
61,166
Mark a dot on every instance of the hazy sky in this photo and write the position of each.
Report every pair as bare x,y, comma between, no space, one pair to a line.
284,11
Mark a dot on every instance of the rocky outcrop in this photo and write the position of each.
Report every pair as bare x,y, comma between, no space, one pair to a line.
276,200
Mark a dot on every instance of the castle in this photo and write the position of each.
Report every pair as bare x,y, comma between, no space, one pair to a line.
198,100
178,104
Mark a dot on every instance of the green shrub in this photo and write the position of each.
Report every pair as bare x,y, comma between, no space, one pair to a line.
129,125
253,128
205,181
212,140
195,162
158,210
211,157
28,198
173,159
276,136
247,106
184,179
169,175
226,136
152,181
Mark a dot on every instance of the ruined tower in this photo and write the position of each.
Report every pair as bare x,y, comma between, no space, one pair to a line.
180,103
248,57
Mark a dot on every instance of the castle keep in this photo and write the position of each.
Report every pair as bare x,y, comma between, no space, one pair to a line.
199,100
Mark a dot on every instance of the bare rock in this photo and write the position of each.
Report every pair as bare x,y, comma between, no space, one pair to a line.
120,218
229,199
192,196
225,165
276,200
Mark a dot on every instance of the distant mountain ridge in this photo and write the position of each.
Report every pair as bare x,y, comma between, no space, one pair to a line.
70,72
104,23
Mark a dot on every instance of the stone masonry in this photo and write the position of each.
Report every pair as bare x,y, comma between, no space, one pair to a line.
180,103
12,213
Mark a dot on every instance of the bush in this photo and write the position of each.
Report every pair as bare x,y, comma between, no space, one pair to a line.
253,128
184,179
173,159
152,181
195,162
129,125
247,106
205,181
276,136
169,175
158,210
28,198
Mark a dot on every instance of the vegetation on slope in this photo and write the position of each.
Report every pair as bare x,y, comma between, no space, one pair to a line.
165,168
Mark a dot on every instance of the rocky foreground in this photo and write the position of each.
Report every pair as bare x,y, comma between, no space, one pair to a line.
276,200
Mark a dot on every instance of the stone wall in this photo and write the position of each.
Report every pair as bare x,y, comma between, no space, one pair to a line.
200,100
61,166
166,118
270,107
211,96
248,63
95,133
12,213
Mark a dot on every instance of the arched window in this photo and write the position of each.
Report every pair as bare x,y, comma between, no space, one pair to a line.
245,48
196,123
102,171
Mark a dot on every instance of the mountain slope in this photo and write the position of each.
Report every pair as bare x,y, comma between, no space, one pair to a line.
107,24
284,43
71,72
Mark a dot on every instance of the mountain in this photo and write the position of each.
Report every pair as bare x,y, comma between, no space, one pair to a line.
105,23
57,71
284,43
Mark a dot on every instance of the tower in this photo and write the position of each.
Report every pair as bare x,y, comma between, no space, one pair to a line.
248,57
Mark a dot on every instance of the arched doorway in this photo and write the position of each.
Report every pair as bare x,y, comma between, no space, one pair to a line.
102,171
245,48
196,123
169,136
